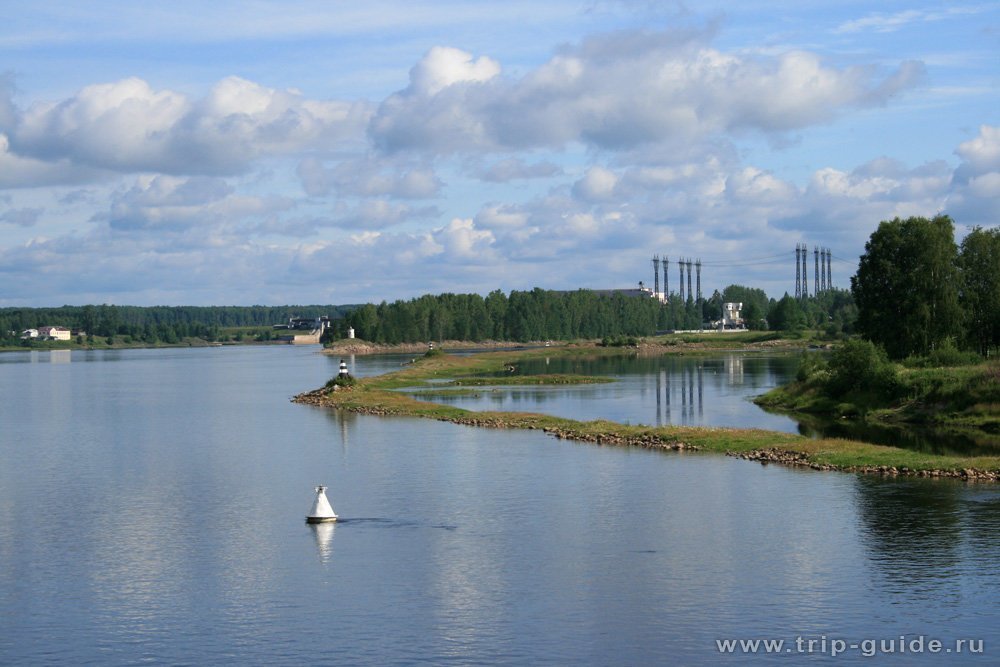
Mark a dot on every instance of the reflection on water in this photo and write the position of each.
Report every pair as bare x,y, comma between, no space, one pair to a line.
324,539
954,441
660,390
186,541
920,534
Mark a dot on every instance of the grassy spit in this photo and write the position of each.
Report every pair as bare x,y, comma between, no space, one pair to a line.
378,396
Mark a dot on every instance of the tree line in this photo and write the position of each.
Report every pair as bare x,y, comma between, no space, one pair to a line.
154,324
536,314
541,314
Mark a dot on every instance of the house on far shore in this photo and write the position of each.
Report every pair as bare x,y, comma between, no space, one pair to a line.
53,333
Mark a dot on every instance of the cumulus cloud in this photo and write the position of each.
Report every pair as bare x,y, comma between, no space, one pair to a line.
24,172
598,184
368,178
975,196
445,66
169,203
129,126
622,90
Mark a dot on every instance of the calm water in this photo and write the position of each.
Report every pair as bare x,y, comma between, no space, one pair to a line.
696,390
152,504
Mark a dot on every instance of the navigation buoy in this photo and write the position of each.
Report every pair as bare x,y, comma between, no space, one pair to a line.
321,511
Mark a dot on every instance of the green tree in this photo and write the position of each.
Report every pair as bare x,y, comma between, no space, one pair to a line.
979,267
906,286
786,315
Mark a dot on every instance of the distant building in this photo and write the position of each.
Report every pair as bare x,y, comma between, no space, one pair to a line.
29,333
306,323
732,316
54,333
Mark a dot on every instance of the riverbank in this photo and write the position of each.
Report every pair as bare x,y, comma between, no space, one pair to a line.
965,396
378,396
678,343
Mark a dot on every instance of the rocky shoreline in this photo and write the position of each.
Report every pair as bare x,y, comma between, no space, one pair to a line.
801,459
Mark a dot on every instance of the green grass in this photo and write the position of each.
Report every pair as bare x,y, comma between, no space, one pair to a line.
961,395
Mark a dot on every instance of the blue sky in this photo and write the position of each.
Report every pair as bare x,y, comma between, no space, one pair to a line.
326,152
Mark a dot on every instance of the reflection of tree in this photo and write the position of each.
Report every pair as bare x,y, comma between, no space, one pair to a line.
912,529
951,441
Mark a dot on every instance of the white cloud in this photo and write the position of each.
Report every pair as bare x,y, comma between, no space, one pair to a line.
627,89
445,66
128,126
982,154
882,23
975,195
461,241
598,184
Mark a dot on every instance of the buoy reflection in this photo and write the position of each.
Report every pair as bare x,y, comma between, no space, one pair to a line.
324,539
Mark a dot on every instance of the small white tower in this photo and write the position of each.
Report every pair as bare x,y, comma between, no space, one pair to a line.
343,369
321,511
350,332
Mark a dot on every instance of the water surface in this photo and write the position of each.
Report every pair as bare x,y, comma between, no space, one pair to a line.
152,509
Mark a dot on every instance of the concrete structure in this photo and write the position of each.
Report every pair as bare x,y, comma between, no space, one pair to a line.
350,332
732,317
321,511
306,323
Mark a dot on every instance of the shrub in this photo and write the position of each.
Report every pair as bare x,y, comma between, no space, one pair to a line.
341,381
811,365
860,365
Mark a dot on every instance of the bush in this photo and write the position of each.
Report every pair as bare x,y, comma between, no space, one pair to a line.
812,364
619,341
340,381
860,365
946,355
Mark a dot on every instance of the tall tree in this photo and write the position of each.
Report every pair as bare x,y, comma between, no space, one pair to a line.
979,266
906,285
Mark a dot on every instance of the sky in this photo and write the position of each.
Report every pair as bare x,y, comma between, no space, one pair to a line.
240,153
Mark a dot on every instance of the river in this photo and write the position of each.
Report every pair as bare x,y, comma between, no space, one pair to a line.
152,510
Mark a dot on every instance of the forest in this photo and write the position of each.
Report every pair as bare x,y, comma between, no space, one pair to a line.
521,316
154,324
541,314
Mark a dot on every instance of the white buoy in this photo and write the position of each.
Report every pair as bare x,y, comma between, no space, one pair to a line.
321,511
